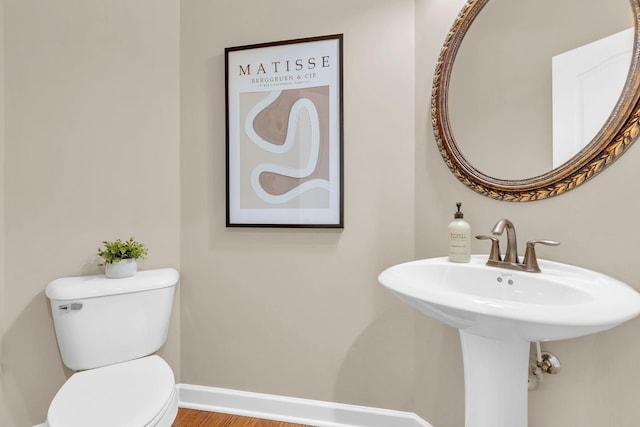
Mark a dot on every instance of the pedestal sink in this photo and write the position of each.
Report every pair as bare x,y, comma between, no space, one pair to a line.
499,312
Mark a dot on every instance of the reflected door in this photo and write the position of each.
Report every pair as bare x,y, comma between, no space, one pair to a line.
587,82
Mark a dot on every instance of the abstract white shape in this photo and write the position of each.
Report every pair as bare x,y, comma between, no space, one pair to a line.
290,139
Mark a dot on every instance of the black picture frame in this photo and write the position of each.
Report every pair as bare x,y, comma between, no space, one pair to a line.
284,133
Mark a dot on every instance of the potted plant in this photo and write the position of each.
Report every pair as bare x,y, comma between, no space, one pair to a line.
120,257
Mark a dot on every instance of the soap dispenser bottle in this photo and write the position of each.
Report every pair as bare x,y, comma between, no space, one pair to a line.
459,238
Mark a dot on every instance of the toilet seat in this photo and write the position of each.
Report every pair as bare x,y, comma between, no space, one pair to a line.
137,393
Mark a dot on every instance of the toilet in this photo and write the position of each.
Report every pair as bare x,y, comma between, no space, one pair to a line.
107,331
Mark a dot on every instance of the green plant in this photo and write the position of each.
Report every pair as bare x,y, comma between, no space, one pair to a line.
117,251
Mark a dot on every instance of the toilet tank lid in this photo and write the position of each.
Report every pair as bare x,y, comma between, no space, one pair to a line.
79,287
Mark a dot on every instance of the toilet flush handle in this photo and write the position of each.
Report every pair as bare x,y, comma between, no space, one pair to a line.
74,306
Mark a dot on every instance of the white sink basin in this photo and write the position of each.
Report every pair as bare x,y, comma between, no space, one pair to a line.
561,302
499,311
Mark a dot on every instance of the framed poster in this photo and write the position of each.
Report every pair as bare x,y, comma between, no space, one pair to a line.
284,133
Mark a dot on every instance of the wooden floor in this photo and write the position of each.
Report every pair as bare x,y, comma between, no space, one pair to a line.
193,418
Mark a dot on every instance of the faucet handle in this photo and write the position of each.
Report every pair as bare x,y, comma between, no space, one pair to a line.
494,255
530,260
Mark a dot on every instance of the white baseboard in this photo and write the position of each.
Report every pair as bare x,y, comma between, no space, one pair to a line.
293,410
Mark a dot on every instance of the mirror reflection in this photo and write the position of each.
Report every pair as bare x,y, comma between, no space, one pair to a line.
501,92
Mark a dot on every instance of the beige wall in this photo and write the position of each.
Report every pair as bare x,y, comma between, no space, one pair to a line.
3,408
598,383
300,312
92,153
291,312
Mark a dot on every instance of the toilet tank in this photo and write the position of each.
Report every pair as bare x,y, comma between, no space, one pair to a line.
101,321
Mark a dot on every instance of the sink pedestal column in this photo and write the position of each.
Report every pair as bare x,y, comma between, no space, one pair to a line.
495,381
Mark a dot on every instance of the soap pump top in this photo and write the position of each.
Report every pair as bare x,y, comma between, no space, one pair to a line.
459,214
459,238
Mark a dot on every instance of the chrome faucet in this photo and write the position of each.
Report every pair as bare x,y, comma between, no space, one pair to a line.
511,259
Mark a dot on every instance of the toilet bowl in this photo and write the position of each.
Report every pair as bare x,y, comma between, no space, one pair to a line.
107,330
138,393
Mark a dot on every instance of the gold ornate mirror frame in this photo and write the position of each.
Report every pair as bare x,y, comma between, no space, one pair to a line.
617,134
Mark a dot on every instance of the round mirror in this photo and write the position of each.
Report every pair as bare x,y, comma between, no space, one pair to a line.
535,98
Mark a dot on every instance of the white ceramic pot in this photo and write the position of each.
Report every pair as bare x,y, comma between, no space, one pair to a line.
122,269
